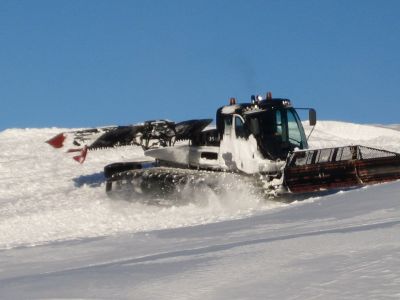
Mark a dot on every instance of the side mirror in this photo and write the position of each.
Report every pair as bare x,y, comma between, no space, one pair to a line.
312,116
254,127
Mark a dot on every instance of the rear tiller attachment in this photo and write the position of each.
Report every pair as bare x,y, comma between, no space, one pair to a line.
342,167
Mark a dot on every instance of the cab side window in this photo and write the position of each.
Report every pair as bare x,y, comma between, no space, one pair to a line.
278,117
227,124
240,129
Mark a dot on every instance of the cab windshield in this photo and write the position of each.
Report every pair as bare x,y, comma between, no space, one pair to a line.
278,131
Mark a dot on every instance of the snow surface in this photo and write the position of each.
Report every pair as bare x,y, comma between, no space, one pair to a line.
62,237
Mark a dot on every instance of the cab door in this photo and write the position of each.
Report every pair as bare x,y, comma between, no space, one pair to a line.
227,155
244,146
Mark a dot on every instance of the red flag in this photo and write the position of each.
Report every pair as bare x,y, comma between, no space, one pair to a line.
82,156
57,141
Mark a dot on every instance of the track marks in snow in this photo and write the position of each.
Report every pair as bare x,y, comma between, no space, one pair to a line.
211,250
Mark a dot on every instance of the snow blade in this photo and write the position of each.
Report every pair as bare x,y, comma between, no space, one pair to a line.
119,136
342,167
57,141
187,130
150,134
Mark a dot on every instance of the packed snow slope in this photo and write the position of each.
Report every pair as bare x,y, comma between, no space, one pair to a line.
61,237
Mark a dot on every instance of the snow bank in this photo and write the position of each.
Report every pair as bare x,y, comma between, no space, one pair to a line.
333,133
46,196
341,246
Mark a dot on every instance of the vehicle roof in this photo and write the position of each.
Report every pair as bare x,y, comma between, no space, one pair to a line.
256,106
249,108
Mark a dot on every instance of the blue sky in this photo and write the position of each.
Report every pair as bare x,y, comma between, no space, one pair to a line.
91,63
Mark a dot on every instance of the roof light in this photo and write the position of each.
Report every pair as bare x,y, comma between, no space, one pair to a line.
269,96
232,101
